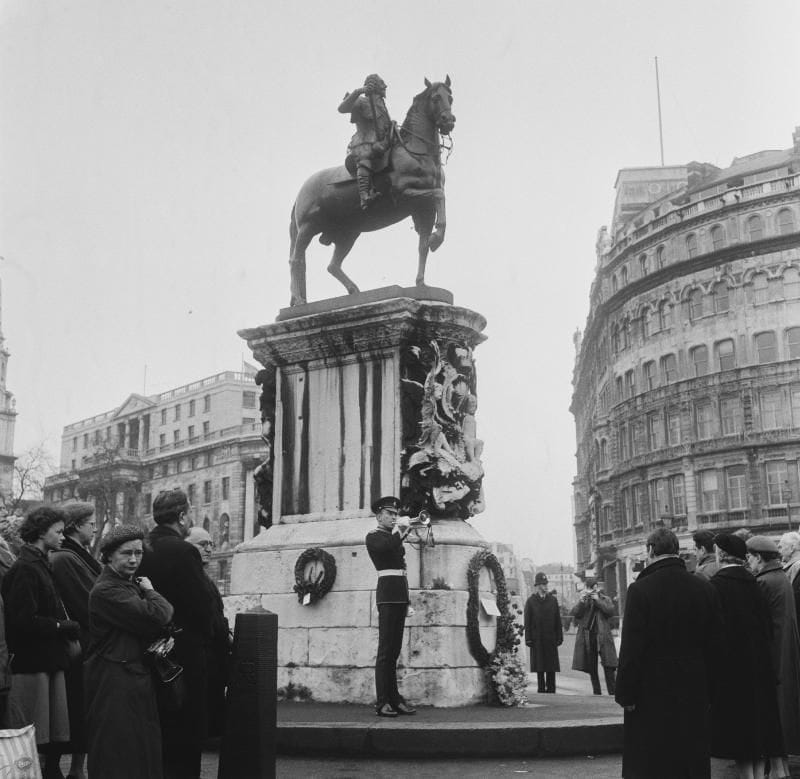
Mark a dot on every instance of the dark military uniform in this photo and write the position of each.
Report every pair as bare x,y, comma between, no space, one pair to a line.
388,555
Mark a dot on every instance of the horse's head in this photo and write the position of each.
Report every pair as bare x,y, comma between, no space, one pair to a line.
440,105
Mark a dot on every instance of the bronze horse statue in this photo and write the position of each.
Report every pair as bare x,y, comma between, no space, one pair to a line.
412,185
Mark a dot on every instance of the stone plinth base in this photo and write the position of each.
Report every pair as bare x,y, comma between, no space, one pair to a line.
329,647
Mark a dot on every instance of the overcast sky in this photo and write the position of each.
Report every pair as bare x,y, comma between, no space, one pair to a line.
151,152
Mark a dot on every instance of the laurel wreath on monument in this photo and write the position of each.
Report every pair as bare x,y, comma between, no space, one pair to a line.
505,673
320,586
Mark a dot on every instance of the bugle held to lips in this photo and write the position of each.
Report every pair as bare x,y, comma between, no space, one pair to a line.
419,526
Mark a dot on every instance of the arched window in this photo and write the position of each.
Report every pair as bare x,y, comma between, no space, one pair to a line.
661,256
785,221
726,356
623,275
669,369
793,343
717,237
647,322
643,265
695,304
691,245
791,284
721,300
699,357
603,453
665,315
626,334
758,288
614,284
755,228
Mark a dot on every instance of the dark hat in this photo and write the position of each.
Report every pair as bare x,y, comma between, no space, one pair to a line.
762,544
540,578
169,503
76,512
386,502
118,536
731,544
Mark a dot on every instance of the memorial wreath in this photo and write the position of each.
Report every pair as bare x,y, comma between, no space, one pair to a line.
320,586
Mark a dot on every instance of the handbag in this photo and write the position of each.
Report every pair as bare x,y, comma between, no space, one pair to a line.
167,675
18,755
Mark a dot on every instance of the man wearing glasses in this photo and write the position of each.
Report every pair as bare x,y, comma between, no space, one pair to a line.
385,547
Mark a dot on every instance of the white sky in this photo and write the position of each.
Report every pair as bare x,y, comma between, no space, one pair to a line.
150,153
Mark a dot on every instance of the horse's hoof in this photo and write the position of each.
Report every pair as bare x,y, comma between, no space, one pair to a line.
435,241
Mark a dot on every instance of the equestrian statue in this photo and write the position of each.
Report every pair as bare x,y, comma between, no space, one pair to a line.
390,173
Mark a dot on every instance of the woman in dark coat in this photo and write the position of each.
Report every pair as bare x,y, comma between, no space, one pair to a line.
74,572
126,615
543,634
745,725
37,630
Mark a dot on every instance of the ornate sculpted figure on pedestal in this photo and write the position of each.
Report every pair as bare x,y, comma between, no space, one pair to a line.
263,473
398,174
603,244
442,471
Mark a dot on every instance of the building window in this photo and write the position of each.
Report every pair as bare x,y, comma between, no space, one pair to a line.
758,289
695,304
658,499
181,465
730,416
192,407
206,403
643,265
647,322
614,285
677,494
649,371
176,436
673,427
704,419
623,275
793,343
248,420
191,493
630,384
163,416
226,487
190,433
721,301
626,507
206,428
755,228
638,504
85,440
736,480
794,397
777,485
726,356
605,519
249,399
165,469
708,490
766,347
785,221
669,369
791,284
691,245
75,444
162,439
195,462
626,334
665,316
717,237
655,431
699,357
615,338
622,442
177,416
603,453
73,465
771,416
661,257
206,492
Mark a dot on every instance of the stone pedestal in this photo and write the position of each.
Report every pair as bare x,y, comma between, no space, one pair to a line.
341,423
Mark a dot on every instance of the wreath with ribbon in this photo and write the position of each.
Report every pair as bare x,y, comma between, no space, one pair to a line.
507,635
319,587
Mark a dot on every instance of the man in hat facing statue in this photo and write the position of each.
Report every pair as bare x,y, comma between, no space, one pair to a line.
543,634
385,548
593,614
368,151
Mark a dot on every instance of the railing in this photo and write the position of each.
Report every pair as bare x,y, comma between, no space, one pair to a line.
225,432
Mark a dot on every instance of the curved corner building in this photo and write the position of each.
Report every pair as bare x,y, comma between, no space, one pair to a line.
686,388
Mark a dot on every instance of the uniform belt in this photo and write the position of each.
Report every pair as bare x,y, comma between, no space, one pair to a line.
392,572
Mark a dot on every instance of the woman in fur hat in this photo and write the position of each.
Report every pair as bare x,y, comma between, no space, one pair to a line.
126,614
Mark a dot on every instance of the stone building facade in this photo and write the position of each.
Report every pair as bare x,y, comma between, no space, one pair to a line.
686,387
203,437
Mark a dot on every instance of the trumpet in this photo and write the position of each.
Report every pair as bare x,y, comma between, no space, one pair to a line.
420,527
423,519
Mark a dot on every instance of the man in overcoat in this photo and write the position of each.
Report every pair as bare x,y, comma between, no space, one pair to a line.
176,571
385,548
543,634
763,557
789,547
707,564
592,614
665,662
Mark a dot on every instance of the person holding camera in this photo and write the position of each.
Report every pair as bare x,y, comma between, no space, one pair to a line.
592,615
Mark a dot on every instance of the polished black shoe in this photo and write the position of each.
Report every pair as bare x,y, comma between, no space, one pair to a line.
404,708
385,711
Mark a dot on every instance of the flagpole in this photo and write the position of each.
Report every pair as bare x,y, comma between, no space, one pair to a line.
660,128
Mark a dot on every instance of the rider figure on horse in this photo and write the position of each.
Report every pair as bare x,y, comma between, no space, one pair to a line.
368,152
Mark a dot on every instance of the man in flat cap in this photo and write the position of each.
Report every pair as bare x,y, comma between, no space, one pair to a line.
176,571
665,666
543,634
385,547
763,557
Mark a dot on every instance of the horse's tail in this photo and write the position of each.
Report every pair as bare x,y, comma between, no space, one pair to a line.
292,231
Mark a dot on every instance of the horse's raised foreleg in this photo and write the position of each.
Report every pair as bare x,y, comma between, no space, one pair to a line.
423,224
341,248
436,196
300,238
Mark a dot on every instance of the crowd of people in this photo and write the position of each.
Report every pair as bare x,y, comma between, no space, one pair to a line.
75,634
